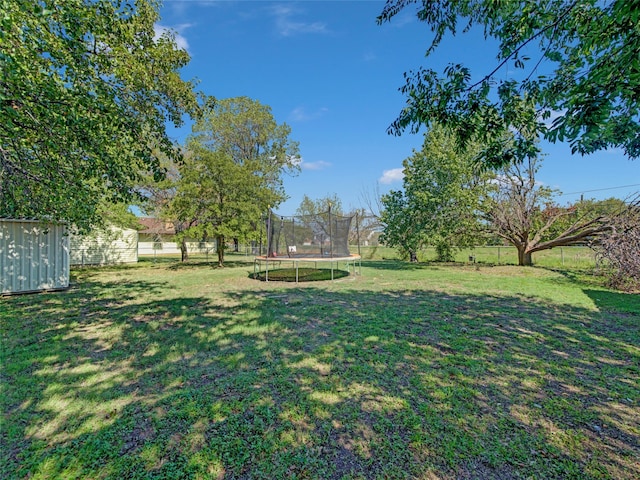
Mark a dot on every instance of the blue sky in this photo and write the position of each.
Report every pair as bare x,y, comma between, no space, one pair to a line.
332,74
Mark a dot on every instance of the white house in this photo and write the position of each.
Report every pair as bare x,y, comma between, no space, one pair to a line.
110,245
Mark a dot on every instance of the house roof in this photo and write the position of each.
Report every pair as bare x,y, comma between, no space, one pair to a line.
156,226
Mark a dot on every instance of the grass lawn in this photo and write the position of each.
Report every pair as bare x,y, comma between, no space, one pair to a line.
164,370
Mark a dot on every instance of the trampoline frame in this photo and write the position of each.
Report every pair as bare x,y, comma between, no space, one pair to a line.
349,260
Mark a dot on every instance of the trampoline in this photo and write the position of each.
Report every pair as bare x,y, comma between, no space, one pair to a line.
309,240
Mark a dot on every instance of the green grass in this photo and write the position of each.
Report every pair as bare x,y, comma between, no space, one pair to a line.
164,370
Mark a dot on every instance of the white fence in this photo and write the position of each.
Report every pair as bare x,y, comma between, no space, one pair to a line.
162,248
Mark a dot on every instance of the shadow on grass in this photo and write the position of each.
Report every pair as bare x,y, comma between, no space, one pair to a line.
395,265
615,301
300,275
603,297
108,381
159,260
196,261
577,276
211,264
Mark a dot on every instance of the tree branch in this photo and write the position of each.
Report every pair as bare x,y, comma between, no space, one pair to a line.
524,44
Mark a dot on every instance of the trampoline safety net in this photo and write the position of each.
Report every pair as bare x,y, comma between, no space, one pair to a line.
323,235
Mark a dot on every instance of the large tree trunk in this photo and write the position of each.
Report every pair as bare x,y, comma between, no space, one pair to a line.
413,256
524,257
183,250
220,250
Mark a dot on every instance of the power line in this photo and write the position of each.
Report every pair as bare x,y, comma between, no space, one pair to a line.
599,189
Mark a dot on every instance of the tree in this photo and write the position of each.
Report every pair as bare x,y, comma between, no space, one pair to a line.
443,194
309,206
232,172
218,198
118,214
587,73
85,90
369,225
399,229
367,228
524,214
156,197
619,248
246,131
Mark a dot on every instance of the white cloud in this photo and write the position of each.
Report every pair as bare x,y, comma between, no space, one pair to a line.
181,7
392,176
319,165
288,26
369,56
176,32
296,161
300,114
402,19
553,115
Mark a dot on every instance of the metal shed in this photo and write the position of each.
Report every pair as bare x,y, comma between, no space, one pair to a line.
34,256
